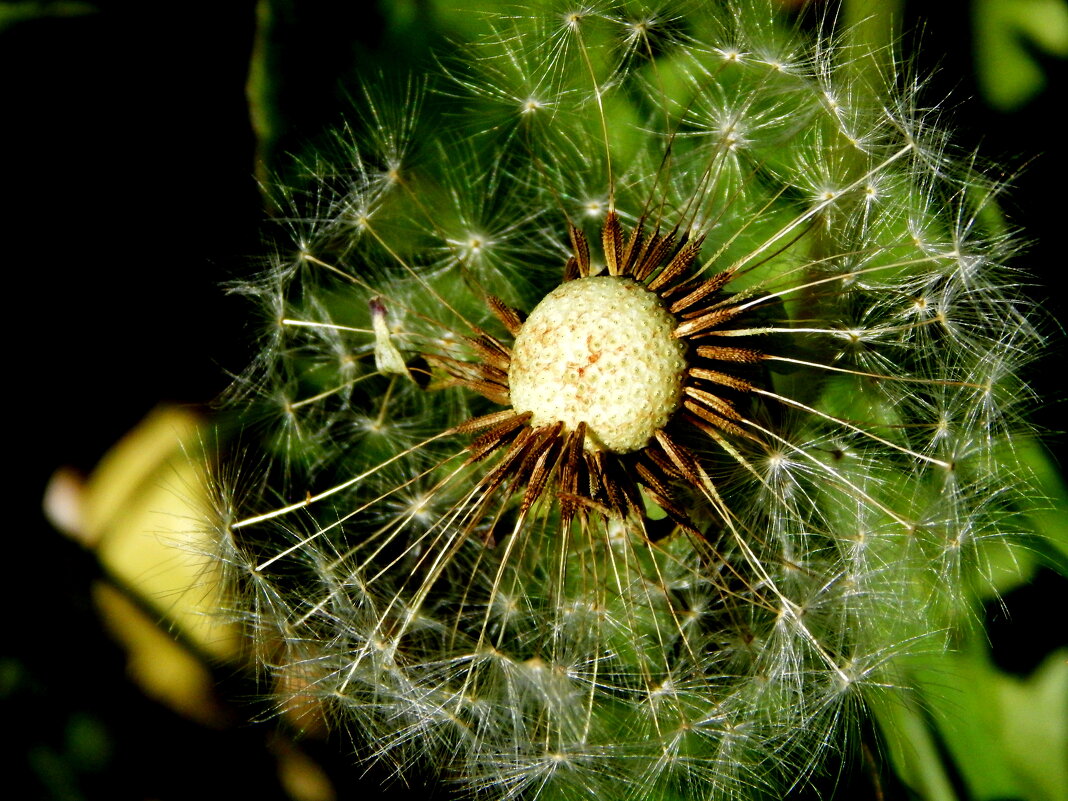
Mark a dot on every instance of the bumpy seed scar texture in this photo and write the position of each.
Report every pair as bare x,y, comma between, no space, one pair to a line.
605,372
599,351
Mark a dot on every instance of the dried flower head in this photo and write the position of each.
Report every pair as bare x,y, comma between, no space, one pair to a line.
623,432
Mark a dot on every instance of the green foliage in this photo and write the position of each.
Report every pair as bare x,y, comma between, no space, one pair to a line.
1009,35
12,13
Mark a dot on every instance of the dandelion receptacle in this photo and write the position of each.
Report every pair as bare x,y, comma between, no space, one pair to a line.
616,429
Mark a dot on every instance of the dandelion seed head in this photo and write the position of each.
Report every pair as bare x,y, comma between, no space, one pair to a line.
620,450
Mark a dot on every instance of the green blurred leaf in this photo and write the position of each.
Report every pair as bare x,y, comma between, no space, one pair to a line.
969,721
1007,32
1008,737
1049,521
1035,728
14,13
913,749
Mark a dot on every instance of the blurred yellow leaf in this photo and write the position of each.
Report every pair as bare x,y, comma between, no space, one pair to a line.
144,511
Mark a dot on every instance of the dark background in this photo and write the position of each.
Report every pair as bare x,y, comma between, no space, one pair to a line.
128,188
